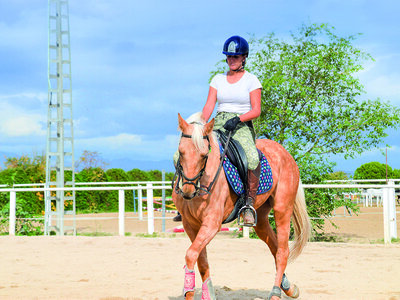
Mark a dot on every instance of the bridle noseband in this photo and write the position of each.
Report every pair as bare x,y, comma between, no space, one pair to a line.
200,190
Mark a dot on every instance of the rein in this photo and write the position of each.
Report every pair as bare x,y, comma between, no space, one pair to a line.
195,181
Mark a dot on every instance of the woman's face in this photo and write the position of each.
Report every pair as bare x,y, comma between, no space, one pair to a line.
235,61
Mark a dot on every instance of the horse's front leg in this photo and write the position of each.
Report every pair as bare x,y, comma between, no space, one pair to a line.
197,253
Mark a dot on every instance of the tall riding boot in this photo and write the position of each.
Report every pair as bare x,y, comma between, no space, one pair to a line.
249,214
177,218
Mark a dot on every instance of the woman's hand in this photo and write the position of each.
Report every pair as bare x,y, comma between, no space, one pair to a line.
231,124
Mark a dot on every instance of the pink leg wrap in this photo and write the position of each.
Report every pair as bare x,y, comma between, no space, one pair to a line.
207,290
189,283
205,295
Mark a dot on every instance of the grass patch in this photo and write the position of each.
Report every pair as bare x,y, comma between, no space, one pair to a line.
323,237
97,233
382,241
156,235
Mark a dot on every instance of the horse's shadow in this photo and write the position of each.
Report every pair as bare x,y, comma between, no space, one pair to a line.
225,293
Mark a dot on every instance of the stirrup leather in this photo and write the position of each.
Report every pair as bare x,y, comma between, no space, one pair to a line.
253,211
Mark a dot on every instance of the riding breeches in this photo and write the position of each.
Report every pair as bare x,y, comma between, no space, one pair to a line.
244,134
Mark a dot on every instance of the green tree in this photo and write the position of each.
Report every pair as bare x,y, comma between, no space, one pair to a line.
22,170
339,175
92,201
137,175
396,174
373,170
312,98
313,103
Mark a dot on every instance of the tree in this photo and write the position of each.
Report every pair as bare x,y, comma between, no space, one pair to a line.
311,97
91,159
137,175
312,102
373,170
19,170
339,175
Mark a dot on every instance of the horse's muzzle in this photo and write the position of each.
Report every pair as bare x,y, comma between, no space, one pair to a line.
188,197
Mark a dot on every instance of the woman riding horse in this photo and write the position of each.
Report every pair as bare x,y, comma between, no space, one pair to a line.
206,200
238,94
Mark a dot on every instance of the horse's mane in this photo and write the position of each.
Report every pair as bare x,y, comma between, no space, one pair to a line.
198,131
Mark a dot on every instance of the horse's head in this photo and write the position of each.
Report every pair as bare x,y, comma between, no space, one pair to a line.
194,148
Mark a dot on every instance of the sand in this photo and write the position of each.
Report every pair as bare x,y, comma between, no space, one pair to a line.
133,267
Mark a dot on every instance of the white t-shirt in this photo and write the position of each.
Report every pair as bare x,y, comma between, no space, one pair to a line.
235,97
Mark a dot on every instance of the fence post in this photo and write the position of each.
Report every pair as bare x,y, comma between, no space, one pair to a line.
392,211
246,232
13,200
385,203
140,203
163,202
121,212
150,209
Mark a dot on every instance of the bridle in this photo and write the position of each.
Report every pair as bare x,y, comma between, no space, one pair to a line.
200,190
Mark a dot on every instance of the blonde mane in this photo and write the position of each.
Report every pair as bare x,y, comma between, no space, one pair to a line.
198,131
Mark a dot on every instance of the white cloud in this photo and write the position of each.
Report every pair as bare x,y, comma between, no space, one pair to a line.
21,120
385,87
23,126
116,142
381,78
130,145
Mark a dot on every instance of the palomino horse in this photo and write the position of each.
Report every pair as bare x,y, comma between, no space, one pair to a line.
205,199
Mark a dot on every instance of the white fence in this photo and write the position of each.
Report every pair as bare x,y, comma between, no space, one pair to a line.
387,192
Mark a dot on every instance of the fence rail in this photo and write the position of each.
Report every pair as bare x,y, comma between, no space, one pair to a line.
388,199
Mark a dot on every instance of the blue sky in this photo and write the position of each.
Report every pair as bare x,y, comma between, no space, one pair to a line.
136,64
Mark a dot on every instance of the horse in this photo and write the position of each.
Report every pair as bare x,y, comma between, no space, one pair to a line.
204,198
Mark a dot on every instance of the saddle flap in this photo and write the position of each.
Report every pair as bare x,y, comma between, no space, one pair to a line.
235,154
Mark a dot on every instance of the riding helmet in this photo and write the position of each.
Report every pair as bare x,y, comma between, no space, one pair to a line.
236,45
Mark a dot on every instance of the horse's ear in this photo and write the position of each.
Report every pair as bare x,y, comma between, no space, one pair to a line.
209,127
182,124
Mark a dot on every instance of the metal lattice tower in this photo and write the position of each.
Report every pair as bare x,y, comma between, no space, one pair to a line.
60,138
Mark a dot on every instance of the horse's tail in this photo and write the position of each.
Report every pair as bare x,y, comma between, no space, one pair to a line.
301,224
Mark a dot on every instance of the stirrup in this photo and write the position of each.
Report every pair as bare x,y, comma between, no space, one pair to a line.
254,215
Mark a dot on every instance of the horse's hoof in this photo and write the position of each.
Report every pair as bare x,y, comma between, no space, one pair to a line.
189,296
275,292
293,292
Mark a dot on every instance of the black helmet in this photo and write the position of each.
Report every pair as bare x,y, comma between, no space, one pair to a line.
236,45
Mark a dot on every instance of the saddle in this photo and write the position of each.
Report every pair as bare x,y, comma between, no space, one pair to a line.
235,166
238,158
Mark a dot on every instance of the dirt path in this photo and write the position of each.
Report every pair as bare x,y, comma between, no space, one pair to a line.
151,268
138,268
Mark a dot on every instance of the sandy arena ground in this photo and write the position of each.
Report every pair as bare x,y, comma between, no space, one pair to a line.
133,267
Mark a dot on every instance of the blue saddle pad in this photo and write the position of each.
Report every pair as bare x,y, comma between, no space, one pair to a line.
232,175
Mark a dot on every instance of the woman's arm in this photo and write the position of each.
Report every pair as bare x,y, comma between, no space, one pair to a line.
255,101
210,104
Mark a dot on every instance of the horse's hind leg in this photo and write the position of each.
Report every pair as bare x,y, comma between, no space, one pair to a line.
283,210
264,229
280,253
